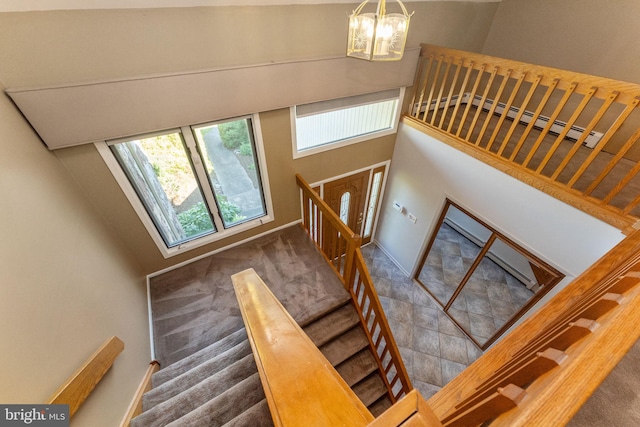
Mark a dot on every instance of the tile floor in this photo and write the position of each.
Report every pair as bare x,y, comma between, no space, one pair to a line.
490,297
433,348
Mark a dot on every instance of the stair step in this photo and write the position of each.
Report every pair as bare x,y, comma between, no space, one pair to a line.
198,395
370,389
333,324
319,308
346,345
357,367
380,406
182,366
225,407
256,416
173,387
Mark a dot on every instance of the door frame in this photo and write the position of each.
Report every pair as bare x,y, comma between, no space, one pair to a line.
371,168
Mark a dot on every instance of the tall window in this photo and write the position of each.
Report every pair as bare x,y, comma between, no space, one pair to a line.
196,184
326,125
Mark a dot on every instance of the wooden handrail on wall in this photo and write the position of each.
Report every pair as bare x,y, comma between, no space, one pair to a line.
341,247
301,386
79,385
476,102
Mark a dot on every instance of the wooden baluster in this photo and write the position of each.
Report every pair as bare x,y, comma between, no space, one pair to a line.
483,99
507,108
424,88
550,122
561,338
578,111
592,124
439,98
520,375
432,89
603,142
450,95
472,96
413,109
492,110
503,400
623,182
534,118
632,205
518,117
614,161
460,96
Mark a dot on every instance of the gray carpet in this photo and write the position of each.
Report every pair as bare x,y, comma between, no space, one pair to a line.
617,402
195,305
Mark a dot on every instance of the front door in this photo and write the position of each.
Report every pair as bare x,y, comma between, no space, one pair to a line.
347,197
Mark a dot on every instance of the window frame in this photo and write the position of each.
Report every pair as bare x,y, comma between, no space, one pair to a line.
347,141
187,133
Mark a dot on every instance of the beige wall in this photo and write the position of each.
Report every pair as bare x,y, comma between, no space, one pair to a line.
48,48
588,36
66,283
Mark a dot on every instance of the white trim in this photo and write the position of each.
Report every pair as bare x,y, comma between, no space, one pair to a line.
344,142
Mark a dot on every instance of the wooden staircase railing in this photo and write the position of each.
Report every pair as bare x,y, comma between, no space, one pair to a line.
79,385
341,248
301,386
536,123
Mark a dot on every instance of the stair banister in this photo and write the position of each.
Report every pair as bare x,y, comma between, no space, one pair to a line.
301,386
322,224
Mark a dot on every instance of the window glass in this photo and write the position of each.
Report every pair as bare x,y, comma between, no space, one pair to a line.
195,184
334,123
163,177
229,155
344,207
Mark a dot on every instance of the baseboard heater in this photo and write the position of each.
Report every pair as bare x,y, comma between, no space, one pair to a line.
558,126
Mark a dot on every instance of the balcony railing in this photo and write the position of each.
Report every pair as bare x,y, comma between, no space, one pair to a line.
572,135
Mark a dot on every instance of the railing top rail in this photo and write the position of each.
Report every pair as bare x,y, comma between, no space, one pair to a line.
627,91
301,386
79,385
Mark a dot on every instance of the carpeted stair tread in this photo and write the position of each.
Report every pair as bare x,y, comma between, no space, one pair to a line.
224,407
357,367
333,324
197,395
318,308
380,406
346,345
370,389
195,375
182,366
256,416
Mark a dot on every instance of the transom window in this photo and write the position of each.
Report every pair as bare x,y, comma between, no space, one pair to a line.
194,184
326,125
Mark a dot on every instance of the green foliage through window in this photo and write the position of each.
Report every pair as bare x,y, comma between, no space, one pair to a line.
195,220
234,134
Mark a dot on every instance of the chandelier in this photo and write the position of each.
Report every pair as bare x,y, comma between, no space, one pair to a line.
378,36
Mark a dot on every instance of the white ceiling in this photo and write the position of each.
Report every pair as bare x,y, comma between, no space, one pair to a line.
32,5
